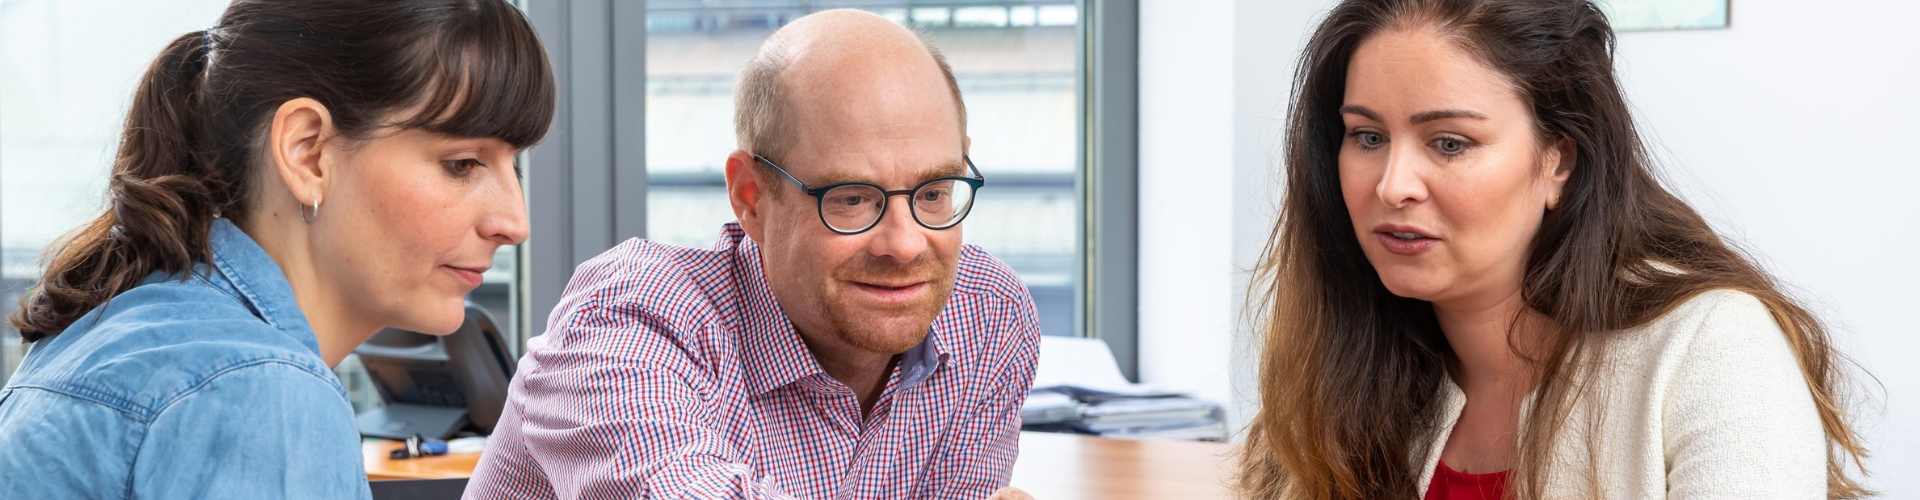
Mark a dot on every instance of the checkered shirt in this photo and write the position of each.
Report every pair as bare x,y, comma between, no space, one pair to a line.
670,372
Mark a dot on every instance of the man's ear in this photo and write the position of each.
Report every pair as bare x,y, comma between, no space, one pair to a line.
744,192
966,146
296,142
1560,157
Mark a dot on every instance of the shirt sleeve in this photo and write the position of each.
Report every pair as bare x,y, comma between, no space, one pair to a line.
265,430
58,445
979,455
604,424
1740,420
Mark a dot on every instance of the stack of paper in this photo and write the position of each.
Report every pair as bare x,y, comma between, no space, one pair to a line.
1048,407
1170,418
1078,388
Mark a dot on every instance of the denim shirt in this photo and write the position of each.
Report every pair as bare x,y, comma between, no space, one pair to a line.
211,386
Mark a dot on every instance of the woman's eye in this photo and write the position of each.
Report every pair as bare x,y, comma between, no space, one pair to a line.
461,166
1369,140
1448,146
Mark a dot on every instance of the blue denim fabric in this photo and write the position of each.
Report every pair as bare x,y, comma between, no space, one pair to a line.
209,386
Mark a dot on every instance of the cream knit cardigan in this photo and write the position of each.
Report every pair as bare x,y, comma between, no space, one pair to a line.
1704,402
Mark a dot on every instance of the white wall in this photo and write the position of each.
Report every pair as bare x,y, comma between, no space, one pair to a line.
1787,130
1213,84
1186,148
1792,132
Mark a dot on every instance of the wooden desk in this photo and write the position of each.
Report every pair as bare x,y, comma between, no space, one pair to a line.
1074,467
373,454
1050,467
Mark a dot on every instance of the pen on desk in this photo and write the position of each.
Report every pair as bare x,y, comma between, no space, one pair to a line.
418,446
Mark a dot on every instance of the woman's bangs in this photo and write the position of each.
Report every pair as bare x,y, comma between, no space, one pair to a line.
491,79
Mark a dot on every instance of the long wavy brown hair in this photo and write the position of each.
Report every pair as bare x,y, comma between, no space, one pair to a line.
1350,374
196,127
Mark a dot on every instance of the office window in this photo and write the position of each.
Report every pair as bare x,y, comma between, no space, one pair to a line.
67,74
1017,66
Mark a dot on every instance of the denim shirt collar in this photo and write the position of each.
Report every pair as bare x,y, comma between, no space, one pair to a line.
243,269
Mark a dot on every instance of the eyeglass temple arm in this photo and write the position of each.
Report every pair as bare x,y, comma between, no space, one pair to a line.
975,170
783,174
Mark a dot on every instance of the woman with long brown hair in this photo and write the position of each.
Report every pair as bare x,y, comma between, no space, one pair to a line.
289,181
1478,287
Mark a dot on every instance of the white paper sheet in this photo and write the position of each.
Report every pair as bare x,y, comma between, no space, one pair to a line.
1085,364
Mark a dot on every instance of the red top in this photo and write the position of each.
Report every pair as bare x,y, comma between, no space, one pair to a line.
1449,484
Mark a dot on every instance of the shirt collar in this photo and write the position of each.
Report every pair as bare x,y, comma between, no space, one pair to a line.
774,353
245,269
923,360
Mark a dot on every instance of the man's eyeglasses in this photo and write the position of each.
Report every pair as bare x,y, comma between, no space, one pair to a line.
855,207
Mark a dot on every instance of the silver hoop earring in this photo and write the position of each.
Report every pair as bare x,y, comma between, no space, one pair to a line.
316,209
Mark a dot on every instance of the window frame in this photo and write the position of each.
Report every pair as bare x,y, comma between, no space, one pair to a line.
587,187
1111,175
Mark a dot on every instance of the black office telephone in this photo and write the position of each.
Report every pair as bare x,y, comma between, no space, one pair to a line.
437,386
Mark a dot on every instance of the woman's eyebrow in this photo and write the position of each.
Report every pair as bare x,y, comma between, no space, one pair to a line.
1418,118
1355,109
1427,116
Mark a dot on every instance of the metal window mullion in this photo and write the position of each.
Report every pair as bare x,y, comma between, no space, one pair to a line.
547,252
587,182
629,97
1110,97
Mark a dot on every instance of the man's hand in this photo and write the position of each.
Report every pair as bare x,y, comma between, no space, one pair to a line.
1010,493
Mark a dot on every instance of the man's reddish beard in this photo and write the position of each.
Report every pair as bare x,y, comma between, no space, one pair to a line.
861,325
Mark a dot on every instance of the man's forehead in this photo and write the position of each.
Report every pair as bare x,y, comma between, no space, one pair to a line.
855,168
865,86
886,144
871,101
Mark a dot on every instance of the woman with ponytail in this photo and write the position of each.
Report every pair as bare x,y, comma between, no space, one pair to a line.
289,181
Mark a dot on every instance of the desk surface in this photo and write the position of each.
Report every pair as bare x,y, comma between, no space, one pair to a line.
373,454
1050,467
1074,467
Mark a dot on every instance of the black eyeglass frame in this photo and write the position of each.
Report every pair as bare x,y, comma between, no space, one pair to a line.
819,195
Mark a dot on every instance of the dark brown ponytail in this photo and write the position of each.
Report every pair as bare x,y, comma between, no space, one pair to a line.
160,196
469,68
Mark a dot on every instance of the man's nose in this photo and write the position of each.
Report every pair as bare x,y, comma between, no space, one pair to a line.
898,236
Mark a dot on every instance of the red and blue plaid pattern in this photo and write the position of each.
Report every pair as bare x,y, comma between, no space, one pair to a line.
671,373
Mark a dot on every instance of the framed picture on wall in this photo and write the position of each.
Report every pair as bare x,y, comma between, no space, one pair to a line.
1647,15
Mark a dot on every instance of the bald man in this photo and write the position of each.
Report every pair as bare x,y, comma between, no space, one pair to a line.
838,341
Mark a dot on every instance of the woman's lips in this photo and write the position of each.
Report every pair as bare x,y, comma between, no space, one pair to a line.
1394,242
469,277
